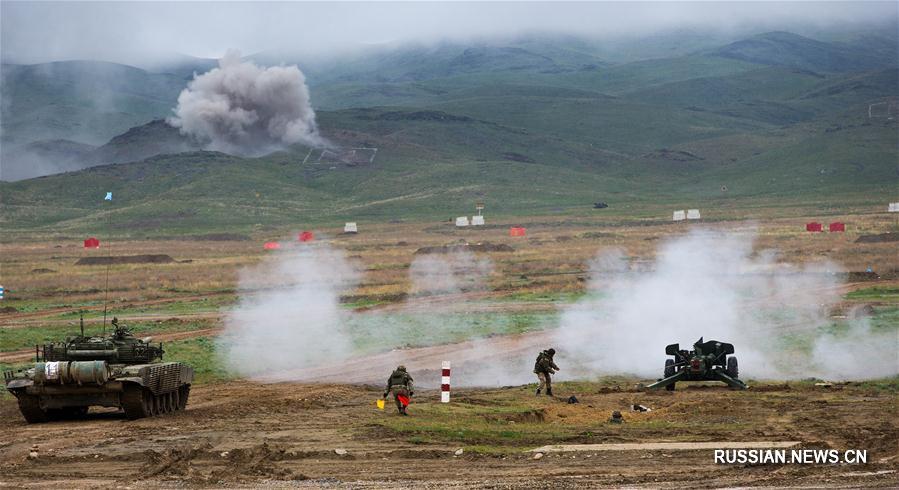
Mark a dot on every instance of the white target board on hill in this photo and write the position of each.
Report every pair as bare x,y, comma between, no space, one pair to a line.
477,221
894,207
679,215
350,228
462,221
692,214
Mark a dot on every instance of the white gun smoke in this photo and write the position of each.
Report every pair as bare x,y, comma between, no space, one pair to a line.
296,321
245,109
448,273
713,285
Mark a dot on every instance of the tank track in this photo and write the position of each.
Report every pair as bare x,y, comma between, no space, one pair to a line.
139,402
30,407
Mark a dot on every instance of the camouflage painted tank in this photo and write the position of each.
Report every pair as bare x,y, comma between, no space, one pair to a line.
117,370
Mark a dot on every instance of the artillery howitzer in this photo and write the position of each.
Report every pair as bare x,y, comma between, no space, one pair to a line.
708,361
117,370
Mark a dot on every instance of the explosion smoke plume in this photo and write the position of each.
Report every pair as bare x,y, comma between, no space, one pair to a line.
246,109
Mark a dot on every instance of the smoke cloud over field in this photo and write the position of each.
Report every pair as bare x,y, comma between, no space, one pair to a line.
289,315
246,109
289,324
713,285
448,273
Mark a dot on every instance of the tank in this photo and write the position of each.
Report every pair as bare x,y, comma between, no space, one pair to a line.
708,361
117,370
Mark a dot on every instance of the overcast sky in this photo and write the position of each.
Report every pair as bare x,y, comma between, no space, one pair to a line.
33,32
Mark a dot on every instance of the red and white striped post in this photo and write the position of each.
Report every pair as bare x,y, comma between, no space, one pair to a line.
445,383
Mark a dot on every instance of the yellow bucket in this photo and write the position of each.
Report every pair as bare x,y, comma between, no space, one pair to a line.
380,403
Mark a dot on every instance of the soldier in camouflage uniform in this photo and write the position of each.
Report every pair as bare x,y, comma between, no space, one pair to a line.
400,383
544,368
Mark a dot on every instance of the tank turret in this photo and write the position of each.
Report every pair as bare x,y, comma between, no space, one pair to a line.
119,348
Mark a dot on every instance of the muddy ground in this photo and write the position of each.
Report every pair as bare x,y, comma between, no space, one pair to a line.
245,434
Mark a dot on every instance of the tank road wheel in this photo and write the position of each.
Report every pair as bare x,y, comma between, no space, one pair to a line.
170,402
732,370
136,402
176,399
669,368
155,405
183,394
30,406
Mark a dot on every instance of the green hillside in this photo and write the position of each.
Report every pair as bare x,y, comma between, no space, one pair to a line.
84,101
530,128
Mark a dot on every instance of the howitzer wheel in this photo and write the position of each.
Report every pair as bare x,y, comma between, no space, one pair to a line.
732,369
30,406
669,368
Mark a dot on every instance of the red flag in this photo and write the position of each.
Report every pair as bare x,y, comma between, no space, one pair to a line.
403,399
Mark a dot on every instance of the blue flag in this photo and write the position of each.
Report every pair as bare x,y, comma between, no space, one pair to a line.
108,196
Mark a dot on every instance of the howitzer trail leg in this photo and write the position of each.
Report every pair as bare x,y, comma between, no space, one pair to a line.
670,380
732,382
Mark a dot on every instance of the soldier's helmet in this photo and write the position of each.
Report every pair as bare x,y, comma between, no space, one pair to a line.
401,368
551,351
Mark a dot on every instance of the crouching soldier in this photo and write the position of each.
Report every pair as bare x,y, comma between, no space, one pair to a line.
545,368
400,383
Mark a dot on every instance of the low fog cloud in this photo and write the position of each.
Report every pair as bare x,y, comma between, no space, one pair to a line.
130,31
242,108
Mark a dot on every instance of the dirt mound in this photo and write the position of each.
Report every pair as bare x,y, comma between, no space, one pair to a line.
673,155
517,157
879,238
529,416
173,461
127,259
242,464
465,247
8,309
859,276
42,271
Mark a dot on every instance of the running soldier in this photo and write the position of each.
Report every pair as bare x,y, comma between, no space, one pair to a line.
400,383
545,368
